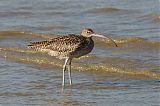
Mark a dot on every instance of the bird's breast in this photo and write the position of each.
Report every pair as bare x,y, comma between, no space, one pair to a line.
85,48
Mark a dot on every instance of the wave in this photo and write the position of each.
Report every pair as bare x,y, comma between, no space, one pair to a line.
106,10
4,34
15,13
21,94
33,57
121,41
154,16
129,41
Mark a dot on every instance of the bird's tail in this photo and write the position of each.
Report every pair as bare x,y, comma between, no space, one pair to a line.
38,45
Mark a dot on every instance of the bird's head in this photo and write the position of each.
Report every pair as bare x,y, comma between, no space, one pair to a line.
87,32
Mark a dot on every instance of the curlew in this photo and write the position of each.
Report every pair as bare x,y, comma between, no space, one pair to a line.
68,47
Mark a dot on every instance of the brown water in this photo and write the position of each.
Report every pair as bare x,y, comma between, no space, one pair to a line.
127,75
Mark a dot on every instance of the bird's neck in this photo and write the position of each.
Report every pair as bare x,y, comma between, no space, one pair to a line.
90,41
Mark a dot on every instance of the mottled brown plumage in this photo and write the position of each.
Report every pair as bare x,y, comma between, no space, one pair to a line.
68,47
71,46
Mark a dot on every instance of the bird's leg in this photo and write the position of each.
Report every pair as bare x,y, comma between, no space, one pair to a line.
69,71
64,68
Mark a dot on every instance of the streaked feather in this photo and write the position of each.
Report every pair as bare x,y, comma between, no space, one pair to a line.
65,46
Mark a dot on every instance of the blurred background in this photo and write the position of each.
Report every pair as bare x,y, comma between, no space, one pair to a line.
126,75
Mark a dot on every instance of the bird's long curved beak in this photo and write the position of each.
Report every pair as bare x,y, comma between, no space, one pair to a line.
102,36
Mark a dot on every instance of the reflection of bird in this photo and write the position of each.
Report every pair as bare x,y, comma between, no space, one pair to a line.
68,47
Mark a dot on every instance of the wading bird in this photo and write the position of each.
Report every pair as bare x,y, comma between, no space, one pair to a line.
69,47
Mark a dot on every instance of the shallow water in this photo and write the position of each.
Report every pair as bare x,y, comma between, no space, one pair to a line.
127,75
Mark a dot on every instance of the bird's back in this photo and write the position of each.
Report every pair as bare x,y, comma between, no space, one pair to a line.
65,46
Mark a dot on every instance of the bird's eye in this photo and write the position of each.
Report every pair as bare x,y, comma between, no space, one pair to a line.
88,31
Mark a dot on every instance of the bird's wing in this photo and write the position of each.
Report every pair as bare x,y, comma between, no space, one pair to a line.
38,45
60,44
65,43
